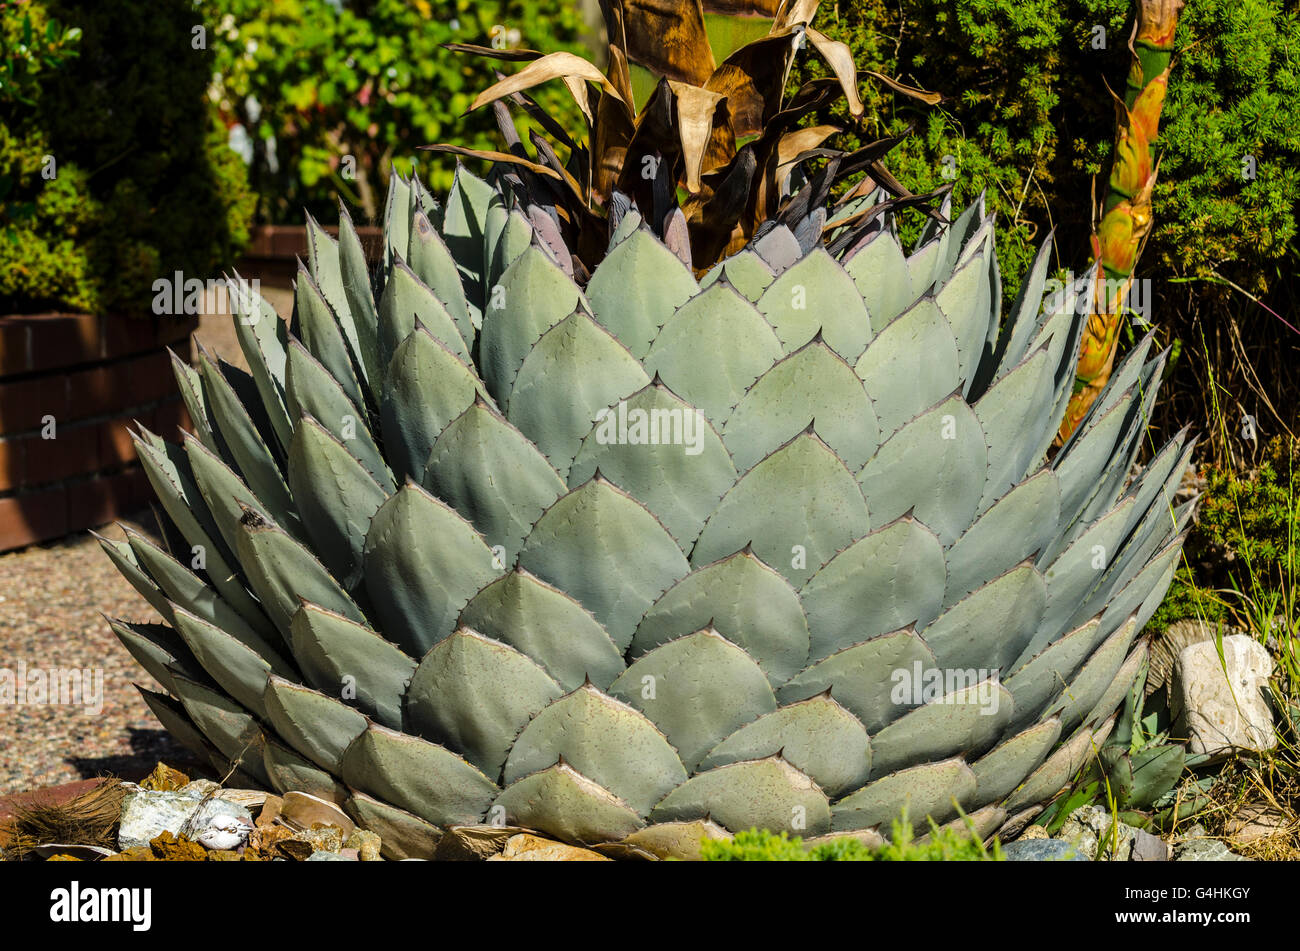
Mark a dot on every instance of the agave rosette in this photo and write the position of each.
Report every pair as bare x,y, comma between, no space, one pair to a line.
423,562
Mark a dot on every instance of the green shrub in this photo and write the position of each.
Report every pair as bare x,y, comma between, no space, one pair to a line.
332,93
1249,524
115,161
31,46
1027,119
1186,599
1243,542
760,845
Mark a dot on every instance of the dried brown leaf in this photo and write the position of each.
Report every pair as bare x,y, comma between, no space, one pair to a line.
929,98
559,65
667,37
840,59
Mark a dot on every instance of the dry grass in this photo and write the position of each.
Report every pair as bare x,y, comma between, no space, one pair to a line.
1235,357
1262,789
89,819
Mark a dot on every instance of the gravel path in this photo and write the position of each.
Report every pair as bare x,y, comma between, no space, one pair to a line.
51,597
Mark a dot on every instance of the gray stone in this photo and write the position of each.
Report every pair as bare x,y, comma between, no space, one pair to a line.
1090,825
146,814
1205,850
328,857
1042,850
1221,706
1149,848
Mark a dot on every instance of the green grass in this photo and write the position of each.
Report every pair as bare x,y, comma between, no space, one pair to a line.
942,845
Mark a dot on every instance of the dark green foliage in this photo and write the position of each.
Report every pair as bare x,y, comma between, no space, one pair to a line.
143,181
1243,542
944,845
1139,774
332,97
1186,599
1250,522
31,46
1027,118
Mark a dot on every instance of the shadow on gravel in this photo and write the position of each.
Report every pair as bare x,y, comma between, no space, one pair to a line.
148,748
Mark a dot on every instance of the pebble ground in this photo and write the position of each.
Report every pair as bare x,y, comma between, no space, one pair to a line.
51,597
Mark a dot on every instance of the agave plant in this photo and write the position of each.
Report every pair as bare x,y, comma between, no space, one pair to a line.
658,556
709,154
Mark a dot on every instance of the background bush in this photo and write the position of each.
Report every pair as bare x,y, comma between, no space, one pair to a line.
144,183
327,93
1027,119
1244,549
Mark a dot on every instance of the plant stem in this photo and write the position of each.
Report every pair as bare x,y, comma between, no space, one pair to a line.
1126,211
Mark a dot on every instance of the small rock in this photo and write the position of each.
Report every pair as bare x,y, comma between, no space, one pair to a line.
169,848
322,838
1221,706
164,779
224,855
270,811
531,848
266,837
1033,832
1206,850
294,850
1042,850
1091,829
146,814
365,843
322,856
352,855
1149,848
1254,823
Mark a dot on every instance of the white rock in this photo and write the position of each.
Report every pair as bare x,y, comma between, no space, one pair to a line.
199,788
146,814
1221,706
